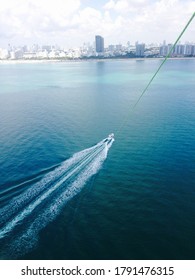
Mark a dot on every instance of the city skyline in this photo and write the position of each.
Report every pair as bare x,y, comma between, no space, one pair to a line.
97,50
70,23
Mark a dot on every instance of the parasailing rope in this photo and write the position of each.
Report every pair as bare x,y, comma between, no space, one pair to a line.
150,81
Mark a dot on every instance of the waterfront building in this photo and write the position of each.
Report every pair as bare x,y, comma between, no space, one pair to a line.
4,54
119,47
193,50
99,44
42,54
179,50
47,48
188,50
111,48
140,48
163,50
16,54
29,55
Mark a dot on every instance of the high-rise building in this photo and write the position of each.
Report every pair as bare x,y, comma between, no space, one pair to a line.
178,50
46,48
188,49
119,47
99,44
140,48
163,50
111,48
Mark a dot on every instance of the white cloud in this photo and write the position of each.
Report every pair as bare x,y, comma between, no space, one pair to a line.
125,6
121,6
147,20
33,19
72,22
109,5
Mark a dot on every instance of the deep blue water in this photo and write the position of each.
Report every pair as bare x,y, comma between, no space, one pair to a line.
138,201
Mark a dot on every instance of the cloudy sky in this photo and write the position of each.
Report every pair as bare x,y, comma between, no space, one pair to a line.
73,22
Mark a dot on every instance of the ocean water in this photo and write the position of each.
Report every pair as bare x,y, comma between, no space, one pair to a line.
65,194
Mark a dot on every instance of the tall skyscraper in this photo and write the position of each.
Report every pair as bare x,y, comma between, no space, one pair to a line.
99,44
140,48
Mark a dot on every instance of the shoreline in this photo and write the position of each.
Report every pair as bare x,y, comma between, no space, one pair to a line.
34,61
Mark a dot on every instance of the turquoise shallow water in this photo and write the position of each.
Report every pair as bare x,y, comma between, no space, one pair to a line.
139,204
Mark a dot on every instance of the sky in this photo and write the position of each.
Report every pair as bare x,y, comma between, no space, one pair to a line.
70,23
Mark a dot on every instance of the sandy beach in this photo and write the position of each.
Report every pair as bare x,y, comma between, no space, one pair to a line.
28,61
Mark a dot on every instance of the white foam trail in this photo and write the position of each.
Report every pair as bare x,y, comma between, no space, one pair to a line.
34,204
16,204
81,167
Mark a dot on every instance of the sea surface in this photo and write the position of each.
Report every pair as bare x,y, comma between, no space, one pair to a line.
65,193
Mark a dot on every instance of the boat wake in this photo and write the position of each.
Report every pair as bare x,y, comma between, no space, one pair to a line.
24,216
